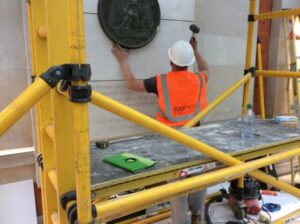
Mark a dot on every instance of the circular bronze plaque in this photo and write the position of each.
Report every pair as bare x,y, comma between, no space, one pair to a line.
130,23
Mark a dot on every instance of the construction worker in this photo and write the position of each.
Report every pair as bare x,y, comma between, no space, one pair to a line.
181,95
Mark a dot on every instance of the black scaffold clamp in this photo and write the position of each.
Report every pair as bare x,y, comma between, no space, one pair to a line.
69,204
251,70
69,73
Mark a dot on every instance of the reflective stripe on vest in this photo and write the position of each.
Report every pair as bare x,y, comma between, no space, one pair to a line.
167,101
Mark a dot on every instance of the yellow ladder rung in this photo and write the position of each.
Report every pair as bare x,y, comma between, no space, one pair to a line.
43,32
54,218
53,178
50,132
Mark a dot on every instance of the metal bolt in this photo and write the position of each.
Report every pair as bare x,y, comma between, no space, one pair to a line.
58,73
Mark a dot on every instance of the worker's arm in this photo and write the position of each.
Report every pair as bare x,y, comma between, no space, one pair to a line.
201,63
122,57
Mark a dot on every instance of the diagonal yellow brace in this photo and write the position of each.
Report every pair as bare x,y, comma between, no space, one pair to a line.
16,109
217,101
155,126
288,217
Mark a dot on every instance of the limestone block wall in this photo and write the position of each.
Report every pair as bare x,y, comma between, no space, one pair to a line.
145,62
15,164
223,43
13,71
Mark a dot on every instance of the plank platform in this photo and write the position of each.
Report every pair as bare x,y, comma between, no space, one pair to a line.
171,156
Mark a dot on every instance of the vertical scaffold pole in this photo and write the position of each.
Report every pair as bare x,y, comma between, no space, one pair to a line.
260,82
57,37
61,173
251,21
39,61
66,45
80,117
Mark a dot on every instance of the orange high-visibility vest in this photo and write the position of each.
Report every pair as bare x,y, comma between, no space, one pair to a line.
181,95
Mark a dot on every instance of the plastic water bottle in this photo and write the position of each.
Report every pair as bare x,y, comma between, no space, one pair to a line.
248,119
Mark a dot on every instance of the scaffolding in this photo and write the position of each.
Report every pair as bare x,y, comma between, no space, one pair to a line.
61,96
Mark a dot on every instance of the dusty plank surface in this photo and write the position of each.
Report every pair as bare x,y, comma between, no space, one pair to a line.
167,153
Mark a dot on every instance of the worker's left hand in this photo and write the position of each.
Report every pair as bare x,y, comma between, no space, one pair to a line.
119,53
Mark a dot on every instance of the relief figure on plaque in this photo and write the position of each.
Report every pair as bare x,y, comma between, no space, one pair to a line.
131,18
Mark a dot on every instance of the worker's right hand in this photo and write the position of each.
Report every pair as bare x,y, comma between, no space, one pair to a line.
194,43
119,53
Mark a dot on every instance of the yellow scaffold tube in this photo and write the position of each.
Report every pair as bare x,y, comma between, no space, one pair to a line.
157,127
217,101
14,111
250,35
277,14
120,207
261,83
288,217
80,115
284,74
82,155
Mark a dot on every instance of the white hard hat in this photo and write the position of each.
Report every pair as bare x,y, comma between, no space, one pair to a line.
182,54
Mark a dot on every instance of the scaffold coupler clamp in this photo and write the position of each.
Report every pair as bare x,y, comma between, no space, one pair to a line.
53,75
69,73
69,204
40,161
258,40
78,93
251,18
252,70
